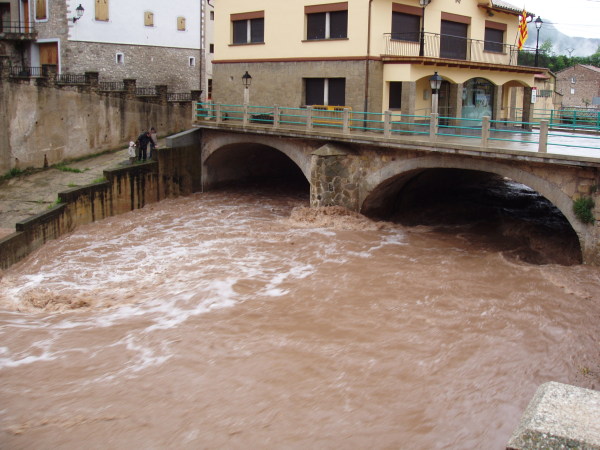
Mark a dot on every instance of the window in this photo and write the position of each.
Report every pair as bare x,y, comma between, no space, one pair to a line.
248,27
494,36
148,19
572,91
453,40
120,58
328,21
494,40
102,10
573,80
209,93
325,91
192,61
40,10
212,15
211,48
181,23
395,95
406,22
405,27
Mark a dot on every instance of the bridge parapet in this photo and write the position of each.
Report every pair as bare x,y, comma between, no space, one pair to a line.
542,136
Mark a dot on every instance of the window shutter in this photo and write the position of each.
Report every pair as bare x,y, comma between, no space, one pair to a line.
315,26
239,32
181,23
40,10
102,10
149,19
315,91
337,92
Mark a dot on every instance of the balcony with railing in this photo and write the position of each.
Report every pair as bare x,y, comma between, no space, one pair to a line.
443,46
17,31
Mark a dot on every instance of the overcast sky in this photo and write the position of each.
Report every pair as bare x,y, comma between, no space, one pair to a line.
572,17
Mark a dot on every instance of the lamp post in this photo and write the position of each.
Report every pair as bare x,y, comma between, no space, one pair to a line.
246,81
435,82
538,24
423,4
79,11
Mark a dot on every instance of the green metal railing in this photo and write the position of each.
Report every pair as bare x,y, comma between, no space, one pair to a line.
392,125
570,118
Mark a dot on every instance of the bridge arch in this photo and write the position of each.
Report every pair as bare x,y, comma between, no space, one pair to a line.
233,157
391,178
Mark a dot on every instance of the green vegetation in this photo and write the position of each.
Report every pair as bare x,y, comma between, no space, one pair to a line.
14,172
556,62
99,180
64,168
72,185
56,202
582,207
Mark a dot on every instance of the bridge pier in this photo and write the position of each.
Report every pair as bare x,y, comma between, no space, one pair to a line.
333,179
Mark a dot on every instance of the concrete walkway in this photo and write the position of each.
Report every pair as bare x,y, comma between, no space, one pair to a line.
26,195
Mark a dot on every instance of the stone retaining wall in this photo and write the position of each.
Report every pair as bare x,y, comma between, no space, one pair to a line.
45,123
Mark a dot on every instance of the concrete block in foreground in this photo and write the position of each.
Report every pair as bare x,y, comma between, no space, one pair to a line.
559,416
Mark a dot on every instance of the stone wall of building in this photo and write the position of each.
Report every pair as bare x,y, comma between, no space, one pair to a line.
585,87
148,65
281,83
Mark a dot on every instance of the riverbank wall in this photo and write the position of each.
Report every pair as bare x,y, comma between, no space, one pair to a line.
53,118
174,172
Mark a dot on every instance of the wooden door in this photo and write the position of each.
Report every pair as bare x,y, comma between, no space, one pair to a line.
26,15
49,53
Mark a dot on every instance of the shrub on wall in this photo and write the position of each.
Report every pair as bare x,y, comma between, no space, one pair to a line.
582,207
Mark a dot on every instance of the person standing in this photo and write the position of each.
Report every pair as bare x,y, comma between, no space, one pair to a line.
143,140
153,142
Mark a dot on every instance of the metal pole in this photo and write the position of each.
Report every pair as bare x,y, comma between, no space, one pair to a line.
537,49
422,40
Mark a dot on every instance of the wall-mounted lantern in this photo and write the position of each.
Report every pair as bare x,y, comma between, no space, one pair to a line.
79,11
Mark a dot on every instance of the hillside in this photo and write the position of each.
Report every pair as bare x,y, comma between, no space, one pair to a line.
561,43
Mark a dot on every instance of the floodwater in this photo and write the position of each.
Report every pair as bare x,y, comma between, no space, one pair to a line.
242,319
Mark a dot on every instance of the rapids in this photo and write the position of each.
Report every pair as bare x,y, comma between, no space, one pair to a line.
243,319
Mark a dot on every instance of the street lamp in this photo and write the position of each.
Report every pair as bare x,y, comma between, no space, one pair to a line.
246,81
79,11
538,24
423,4
436,83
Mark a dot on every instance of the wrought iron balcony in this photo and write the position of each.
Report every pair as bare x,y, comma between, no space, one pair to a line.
433,45
26,72
17,31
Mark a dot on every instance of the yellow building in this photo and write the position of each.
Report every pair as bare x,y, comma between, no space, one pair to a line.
371,55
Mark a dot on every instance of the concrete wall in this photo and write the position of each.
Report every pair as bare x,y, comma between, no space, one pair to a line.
46,125
176,172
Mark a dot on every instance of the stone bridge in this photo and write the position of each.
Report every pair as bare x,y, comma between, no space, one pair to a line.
366,174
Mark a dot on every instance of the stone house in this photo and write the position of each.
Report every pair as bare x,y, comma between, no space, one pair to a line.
154,42
579,86
372,55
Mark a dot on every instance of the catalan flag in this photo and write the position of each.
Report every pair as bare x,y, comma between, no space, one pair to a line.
522,30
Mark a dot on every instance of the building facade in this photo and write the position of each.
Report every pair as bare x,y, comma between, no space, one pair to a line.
579,86
372,55
153,41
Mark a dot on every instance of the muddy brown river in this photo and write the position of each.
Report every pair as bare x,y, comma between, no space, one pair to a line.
240,319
